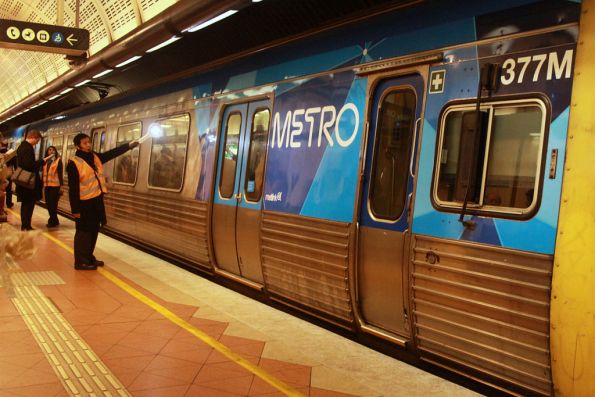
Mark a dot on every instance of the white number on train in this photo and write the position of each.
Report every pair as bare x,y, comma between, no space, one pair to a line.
515,70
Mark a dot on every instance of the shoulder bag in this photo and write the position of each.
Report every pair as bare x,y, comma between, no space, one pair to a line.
24,178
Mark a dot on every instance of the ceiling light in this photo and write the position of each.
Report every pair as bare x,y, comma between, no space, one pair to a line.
130,60
59,117
98,75
54,97
211,21
82,83
66,91
165,43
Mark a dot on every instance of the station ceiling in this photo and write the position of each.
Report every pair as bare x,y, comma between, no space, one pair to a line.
29,78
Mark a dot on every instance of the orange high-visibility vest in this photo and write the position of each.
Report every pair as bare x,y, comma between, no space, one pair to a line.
91,183
50,174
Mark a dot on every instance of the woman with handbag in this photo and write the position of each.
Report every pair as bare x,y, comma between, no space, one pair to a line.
52,184
26,161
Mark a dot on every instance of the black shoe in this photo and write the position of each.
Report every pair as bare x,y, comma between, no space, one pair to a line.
51,225
98,263
26,229
85,267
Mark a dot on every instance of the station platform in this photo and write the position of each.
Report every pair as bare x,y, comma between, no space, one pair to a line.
141,326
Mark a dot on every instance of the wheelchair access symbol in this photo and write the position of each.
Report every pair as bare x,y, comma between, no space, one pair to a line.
57,38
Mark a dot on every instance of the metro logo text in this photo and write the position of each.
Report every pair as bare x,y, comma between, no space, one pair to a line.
314,125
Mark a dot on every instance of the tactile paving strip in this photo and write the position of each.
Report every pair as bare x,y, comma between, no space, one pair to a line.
36,278
75,363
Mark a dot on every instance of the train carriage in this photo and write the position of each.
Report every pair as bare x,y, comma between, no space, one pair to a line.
395,178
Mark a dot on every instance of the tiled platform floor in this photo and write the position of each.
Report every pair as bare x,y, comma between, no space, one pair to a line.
152,356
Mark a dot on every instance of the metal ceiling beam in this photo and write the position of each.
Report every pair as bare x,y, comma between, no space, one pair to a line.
172,21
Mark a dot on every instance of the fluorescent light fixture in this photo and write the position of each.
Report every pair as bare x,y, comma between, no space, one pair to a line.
98,75
54,97
211,21
82,83
66,91
59,117
256,1
165,43
130,60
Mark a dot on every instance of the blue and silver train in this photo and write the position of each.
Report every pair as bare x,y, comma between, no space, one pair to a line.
401,177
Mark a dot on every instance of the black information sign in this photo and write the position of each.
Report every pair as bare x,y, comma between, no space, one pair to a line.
39,37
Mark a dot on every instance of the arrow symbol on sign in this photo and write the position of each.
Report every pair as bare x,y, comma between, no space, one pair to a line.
71,40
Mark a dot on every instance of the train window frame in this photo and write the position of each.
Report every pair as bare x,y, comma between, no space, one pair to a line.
481,208
119,158
376,217
185,161
266,152
223,142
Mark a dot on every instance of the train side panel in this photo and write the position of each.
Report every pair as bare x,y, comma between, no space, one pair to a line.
481,289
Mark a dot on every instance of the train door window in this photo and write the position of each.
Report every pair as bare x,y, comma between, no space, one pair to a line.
168,152
126,165
98,138
508,164
230,157
259,138
388,188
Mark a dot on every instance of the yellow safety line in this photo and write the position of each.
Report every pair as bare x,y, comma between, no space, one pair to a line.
165,312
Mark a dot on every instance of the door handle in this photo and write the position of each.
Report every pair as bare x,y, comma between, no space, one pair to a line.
413,147
409,199
238,196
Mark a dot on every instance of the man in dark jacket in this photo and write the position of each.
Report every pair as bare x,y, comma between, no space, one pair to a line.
26,160
87,186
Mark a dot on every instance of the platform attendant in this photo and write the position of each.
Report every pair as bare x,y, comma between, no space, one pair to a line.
52,184
26,160
87,186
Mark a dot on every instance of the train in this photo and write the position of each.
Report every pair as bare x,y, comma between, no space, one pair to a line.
401,177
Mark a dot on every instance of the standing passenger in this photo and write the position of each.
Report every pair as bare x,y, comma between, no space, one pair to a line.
26,160
52,183
87,186
9,164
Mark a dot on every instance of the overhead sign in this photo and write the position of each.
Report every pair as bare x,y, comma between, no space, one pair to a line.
40,37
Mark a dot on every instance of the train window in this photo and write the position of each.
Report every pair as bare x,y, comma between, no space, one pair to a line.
98,139
508,161
230,158
168,152
57,141
126,165
259,137
388,186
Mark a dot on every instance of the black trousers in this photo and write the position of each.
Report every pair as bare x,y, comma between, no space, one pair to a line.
84,245
27,208
52,195
9,193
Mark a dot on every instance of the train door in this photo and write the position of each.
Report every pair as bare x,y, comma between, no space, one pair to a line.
237,198
385,204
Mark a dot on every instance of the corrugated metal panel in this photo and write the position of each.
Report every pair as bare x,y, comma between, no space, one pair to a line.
176,226
306,260
485,308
